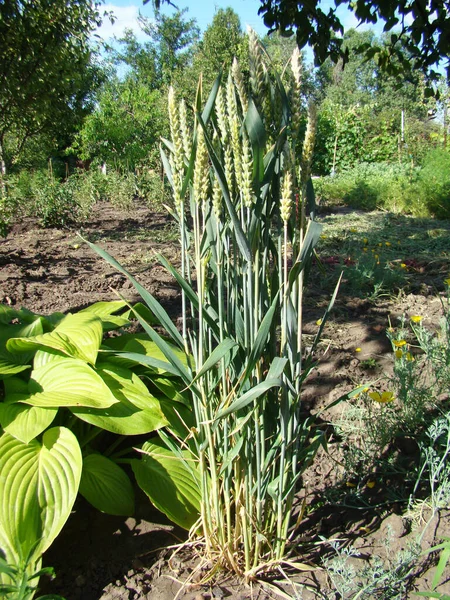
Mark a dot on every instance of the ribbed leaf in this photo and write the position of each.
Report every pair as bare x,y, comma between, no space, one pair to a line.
66,382
106,486
8,368
169,483
25,422
136,411
12,362
38,486
78,336
106,310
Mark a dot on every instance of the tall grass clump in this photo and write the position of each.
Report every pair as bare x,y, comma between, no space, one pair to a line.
245,241
243,202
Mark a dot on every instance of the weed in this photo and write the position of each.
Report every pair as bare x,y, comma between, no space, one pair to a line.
377,579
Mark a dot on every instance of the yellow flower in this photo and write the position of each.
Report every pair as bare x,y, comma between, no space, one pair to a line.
403,266
349,484
399,343
364,249
416,318
387,243
365,240
319,322
409,357
353,230
357,349
376,256
447,281
323,237
371,483
382,398
398,354
380,244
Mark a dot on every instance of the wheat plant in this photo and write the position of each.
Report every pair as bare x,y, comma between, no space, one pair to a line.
242,197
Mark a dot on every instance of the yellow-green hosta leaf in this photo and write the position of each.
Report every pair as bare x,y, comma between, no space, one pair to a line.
25,422
171,482
14,362
78,336
38,486
106,486
149,348
66,382
106,310
136,411
8,368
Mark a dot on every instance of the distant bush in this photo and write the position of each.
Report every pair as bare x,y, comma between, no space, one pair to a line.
420,191
435,183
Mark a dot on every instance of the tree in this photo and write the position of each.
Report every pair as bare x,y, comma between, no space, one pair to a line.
46,72
365,116
173,37
420,35
126,125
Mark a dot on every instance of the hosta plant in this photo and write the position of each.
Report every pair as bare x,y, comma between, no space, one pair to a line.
65,391
243,200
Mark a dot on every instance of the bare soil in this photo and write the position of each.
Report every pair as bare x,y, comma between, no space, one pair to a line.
99,557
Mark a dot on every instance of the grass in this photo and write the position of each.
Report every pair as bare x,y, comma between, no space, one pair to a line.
383,253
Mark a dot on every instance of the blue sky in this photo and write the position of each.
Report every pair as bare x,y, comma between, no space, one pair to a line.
127,11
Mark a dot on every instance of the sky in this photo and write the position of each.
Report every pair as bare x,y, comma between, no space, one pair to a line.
127,11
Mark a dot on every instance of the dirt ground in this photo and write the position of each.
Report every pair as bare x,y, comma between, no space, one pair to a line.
99,557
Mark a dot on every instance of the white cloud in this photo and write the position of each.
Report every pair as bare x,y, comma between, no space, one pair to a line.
126,17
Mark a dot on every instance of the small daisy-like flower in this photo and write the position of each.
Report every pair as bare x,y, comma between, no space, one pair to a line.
382,398
357,349
399,343
398,353
416,318
403,266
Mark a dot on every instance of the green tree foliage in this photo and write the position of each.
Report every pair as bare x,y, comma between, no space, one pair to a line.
131,114
46,70
126,125
419,38
173,37
222,41
360,117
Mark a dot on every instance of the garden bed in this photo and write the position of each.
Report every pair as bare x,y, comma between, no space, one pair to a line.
103,557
